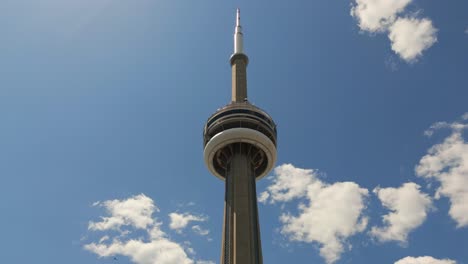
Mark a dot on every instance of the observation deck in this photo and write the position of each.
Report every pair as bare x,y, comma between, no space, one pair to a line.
240,124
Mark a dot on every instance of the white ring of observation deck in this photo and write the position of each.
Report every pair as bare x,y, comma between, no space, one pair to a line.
240,135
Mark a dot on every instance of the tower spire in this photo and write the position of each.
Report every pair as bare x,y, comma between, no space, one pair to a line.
239,63
238,36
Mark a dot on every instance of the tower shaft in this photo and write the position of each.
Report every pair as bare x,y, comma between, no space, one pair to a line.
241,233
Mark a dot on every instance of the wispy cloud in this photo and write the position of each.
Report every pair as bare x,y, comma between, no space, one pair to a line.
455,126
408,210
135,215
447,163
200,231
179,221
330,214
205,262
465,116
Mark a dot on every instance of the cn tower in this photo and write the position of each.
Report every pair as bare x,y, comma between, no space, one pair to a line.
239,148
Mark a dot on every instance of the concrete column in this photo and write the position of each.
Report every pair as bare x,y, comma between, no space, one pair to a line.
241,236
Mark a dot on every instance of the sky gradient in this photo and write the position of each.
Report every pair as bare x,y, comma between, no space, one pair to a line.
102,106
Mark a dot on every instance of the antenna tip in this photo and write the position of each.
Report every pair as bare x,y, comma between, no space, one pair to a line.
238,18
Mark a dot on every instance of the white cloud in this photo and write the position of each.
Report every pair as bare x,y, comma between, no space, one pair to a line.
161,251
135,213
377,15
331,214
104,238
180,221
447,163
411,36
424,260
263,197
434,127
465,116
408,206
456,126
205,262
200,231
289,183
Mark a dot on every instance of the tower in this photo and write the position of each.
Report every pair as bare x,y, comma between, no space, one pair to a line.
240,147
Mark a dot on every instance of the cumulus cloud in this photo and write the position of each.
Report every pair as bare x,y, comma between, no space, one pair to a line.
180,221
135,211
411,36
136,214
424,260
447,163
158,251
289,183
330,214
409,208
377,15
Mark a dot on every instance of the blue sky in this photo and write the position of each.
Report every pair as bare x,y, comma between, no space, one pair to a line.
102,106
